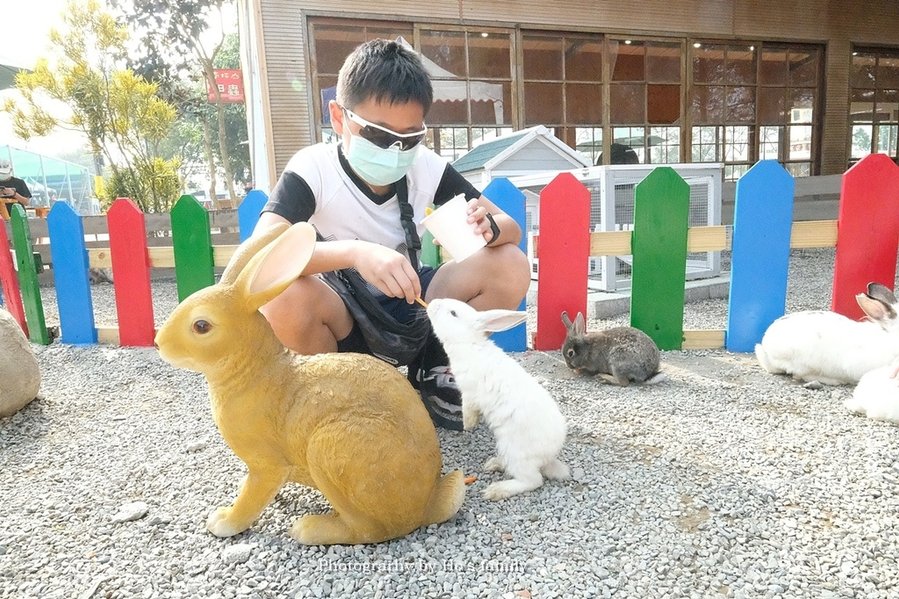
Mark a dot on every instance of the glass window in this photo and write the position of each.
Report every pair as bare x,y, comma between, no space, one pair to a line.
663,62
583,59
769,143
708,63
664,145
629,144
705,146
446,49
489,55
756,91
886,139
644,92
589,141
583,103
333,40
543,103
873,102
627,103
663,104
627,60
562,83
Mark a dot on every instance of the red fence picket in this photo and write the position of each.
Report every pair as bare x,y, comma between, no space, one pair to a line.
868,231
564,249
131,271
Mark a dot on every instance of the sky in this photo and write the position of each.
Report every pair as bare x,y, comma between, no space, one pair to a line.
26,40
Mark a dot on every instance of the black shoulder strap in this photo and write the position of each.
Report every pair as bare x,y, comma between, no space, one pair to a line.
407,218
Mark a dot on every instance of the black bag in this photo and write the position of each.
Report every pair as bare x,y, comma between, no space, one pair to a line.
388,339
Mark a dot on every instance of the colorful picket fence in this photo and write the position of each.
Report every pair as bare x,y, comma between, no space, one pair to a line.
762,235
192,255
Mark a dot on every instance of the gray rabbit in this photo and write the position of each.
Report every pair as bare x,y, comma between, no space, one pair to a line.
621,356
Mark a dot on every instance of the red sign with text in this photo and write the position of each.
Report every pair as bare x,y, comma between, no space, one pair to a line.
230,85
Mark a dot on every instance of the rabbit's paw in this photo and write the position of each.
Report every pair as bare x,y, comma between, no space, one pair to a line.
470,419
527,481
322,529
218,523
498,491
494,464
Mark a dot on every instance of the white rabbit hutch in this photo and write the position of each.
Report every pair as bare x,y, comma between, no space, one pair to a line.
611,190
524,152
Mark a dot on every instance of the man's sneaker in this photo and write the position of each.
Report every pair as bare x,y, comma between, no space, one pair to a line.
440,395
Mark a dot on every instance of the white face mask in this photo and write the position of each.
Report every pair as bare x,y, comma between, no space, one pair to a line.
379,166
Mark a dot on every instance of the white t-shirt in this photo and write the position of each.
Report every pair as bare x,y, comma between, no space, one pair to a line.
319,186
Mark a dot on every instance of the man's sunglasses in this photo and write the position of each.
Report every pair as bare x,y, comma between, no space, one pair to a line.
384,137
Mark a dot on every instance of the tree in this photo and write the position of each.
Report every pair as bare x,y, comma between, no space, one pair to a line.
189,137
173,29
119,112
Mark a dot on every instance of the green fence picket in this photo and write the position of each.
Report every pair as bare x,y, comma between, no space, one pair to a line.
192,246
659,246
27,273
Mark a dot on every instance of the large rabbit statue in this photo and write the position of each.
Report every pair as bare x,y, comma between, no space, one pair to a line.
347,424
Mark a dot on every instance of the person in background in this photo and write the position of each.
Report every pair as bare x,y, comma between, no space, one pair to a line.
12,189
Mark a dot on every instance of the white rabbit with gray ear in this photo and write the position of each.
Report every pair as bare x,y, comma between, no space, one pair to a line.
824,347
528,426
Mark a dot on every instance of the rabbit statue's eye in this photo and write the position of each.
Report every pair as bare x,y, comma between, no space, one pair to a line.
452,312
201,326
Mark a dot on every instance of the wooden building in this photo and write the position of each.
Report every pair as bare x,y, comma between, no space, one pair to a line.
811,83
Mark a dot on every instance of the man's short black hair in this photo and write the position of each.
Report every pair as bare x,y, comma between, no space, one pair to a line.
383,70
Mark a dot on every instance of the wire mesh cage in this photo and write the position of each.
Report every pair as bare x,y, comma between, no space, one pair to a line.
612,189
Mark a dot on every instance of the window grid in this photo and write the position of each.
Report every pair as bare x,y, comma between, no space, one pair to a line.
773,111
873,102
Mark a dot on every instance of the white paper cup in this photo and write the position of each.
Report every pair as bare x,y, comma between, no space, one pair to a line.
449,225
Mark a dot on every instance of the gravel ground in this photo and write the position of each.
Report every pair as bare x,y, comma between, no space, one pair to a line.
724,481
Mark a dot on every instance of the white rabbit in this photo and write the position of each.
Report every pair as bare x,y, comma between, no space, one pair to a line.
830,348
524,418
877,394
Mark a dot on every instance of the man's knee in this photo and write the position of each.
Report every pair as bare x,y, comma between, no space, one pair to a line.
308,316
512,269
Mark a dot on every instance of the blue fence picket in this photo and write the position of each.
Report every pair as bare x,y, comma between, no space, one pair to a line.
763,218
248,212
70,275
510,200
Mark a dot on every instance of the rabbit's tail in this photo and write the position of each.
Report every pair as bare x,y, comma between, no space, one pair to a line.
446,499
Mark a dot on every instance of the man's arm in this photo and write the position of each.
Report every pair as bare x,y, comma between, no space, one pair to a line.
17,195
386,269
453,183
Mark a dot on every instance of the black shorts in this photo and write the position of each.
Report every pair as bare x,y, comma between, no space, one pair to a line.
396,307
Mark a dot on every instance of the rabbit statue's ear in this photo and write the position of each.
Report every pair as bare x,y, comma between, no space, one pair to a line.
248,249
278,265
500,320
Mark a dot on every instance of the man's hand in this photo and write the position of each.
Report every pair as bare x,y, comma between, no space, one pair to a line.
389,271
477,216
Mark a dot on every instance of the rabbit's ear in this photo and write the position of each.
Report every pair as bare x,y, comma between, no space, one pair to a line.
494,321
580,327
881,292
248,249
278,265
875,308
566,321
